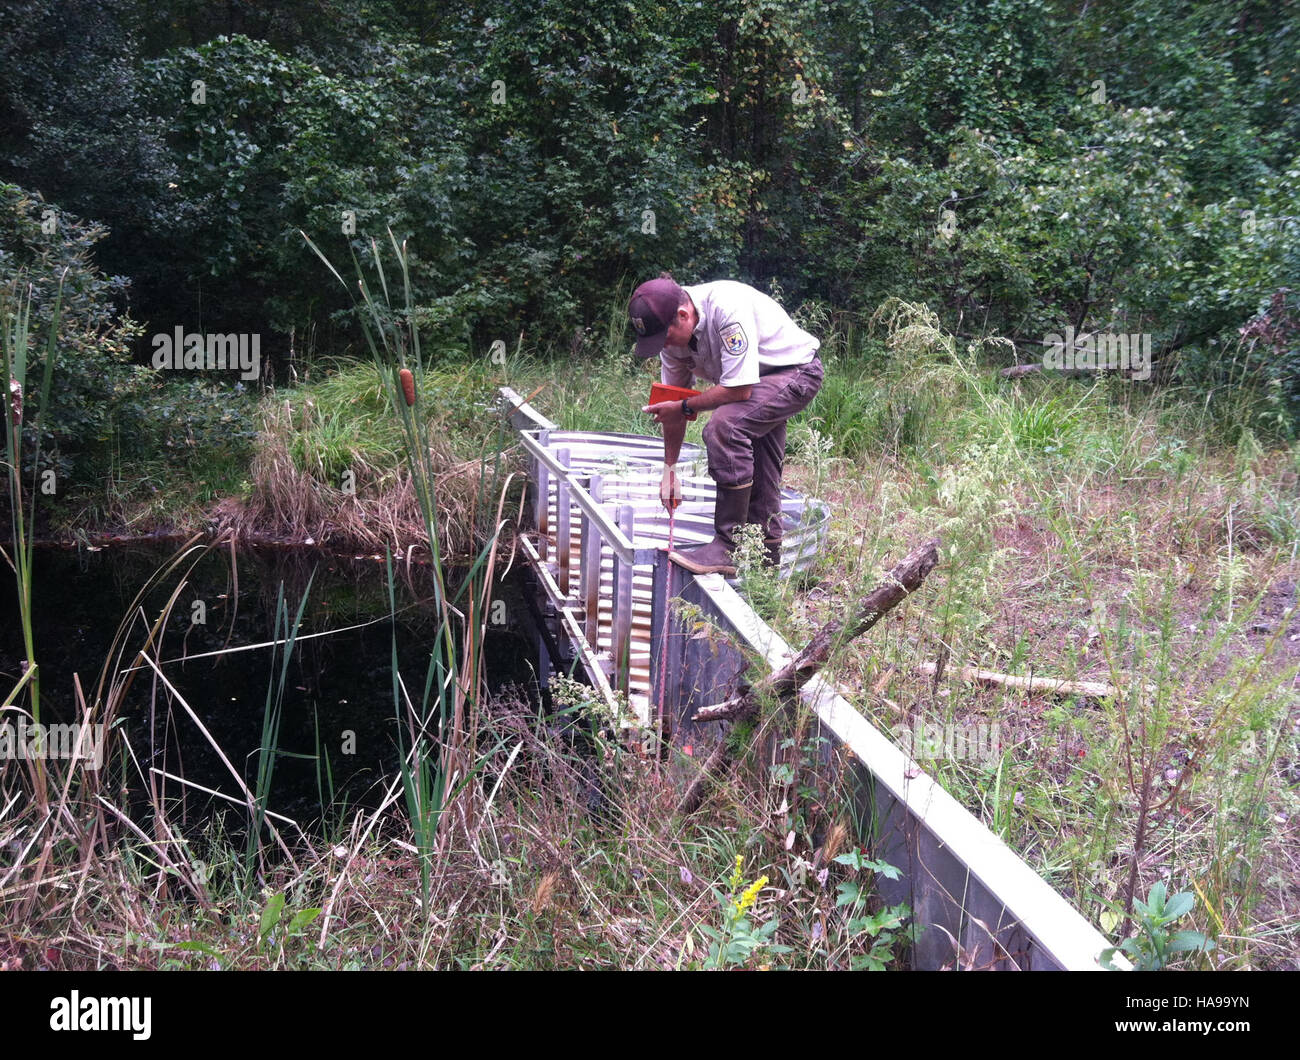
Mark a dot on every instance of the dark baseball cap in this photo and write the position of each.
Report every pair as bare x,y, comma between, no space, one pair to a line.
652,308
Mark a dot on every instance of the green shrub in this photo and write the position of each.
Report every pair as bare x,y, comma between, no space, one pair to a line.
96,389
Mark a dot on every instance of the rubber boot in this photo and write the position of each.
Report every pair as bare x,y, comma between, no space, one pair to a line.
765,509
729,511
772,548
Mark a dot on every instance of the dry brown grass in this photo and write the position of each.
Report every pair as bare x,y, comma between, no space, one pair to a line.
300,505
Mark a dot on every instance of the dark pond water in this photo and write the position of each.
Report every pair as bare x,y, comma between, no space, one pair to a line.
337,684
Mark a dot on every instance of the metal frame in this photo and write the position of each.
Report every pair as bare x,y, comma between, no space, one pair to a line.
982,906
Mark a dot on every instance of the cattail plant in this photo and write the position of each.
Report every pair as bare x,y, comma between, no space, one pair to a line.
15,342
438,719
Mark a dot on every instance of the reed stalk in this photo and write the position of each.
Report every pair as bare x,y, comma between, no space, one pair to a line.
438,757
15,343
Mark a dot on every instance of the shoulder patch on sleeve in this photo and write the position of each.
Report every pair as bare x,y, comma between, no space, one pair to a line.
734,340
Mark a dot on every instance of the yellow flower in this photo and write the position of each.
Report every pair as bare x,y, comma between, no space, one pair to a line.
751,894
736,876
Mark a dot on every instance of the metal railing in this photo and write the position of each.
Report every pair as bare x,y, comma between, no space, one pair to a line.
600,530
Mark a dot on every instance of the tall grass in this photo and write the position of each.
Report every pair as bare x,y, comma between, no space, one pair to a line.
56,819
285,635
15,346
442,720
1095,530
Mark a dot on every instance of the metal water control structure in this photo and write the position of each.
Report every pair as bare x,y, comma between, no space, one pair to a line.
607,594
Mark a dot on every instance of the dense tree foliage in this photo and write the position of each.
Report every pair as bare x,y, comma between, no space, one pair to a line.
1021,165
102,405
45,258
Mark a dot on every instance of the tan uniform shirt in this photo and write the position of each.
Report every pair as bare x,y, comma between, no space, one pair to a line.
741,334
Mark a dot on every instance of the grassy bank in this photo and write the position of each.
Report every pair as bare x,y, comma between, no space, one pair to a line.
564,854
1098,532
1094,530
320,461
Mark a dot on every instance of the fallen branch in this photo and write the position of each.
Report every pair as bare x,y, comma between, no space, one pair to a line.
975,676
1017,370
907,576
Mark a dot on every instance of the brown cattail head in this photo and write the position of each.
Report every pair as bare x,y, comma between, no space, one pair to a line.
408,386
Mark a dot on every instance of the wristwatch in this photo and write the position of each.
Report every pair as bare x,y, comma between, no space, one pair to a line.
686,410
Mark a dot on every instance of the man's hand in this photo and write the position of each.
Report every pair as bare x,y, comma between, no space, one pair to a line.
670,488
669,413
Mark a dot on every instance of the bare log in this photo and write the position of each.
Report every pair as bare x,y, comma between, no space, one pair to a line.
712,768
991,678
1017,370
905,578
